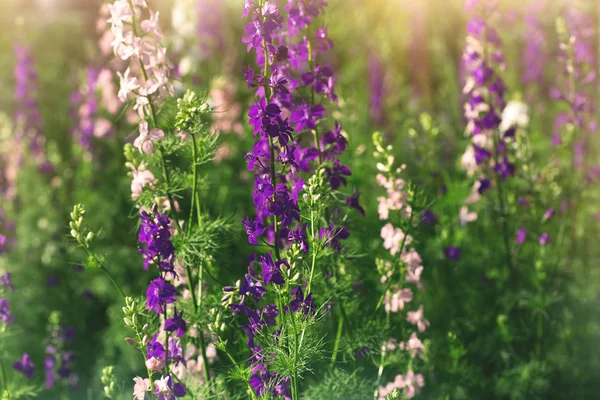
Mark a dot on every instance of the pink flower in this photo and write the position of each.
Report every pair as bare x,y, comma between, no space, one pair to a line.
128,84
411,258
412,384
141,387
141,178
396,303
414,346
102,128
417,318
464,216
162,386
413,275
392,238
155,364
144,142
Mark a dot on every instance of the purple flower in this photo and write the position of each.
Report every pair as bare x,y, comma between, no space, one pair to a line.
52,281
284,206
252,288
333,142
176,324
353,201
263,191
544,239
155,349
521,235
377,90
5,280
261,29
428,217
484,185
452,253
333,236
249,77
159,294
271,270
548,214
25,365
306,305
155,235
298,235
305,116
336,174
6,316
505,168
254,230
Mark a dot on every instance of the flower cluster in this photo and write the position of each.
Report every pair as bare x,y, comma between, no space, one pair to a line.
377,90
577,56
535,54
6,317
27,118
85,105
484,87
157,249
404,268
59,359
147,77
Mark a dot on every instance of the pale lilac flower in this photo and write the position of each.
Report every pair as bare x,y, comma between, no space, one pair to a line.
162,386
464,216
141,387
128,84
412,383
155,364
141,178
397,300
417,318
392,238
414,346
144,142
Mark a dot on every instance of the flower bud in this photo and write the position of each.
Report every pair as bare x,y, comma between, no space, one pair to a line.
131,341
128,322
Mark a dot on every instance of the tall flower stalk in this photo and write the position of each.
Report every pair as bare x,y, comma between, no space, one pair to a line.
489,155
400,272
27,119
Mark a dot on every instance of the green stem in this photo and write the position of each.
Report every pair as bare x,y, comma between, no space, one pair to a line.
314,253
380,371
194,180
204,359
166,342
116,285
250,390
338,337
295,394
3,379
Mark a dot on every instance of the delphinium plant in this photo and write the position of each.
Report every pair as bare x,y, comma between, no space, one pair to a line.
300,207
170,321
401,273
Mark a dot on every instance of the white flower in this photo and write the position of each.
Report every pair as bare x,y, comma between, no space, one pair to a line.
514,114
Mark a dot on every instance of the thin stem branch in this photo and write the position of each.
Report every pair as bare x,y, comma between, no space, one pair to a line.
116,285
